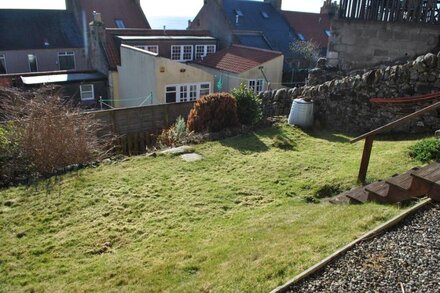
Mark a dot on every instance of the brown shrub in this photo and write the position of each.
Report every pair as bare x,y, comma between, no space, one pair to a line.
53,134
213,113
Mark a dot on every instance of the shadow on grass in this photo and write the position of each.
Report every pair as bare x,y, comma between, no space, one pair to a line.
328,135
246,144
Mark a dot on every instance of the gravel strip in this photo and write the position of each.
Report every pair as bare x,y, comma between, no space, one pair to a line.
403,259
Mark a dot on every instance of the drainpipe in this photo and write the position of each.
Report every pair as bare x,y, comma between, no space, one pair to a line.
265,77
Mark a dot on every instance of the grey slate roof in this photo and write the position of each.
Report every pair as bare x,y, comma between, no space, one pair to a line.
30,29
275,28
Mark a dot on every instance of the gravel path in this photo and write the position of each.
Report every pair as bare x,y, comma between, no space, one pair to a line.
404,259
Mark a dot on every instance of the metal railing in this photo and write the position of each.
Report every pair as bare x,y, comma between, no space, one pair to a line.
419,11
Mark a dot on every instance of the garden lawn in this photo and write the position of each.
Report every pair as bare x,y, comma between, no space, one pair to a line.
235,221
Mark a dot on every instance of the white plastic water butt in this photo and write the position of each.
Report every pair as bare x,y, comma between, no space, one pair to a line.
301,113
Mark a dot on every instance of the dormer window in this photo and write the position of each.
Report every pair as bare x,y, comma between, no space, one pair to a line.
264,14
239,12
119,23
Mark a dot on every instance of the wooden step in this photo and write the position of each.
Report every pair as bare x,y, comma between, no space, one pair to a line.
357,195
434,193
430,173
403,181
379,188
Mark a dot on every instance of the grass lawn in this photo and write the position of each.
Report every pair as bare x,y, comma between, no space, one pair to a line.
235,221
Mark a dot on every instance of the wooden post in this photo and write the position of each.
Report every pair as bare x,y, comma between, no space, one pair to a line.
366,158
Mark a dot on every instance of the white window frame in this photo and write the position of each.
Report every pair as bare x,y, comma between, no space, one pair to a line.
182,53
185,91
149,47
3,57
204,52
83,92
67,53
258,85
36,62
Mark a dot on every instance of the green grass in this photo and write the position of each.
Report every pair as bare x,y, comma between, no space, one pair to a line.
235,221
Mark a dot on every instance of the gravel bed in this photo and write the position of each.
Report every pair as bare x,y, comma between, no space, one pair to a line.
403,259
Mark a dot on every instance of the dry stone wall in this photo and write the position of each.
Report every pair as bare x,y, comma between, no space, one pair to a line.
343,104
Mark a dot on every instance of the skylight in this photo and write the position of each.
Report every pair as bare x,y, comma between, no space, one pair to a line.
238,12
264,14
300,36
328,33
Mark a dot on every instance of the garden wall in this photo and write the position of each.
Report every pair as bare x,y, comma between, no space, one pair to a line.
137,126
344,104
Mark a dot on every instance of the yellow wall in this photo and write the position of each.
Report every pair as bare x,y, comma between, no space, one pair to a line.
273,70
173,75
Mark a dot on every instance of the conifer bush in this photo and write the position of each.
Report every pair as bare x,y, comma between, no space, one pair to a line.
213,113
248,105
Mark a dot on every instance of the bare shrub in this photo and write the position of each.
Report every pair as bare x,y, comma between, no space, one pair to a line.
53,134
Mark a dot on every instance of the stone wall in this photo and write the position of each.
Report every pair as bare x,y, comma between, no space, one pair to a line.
344,104
360,44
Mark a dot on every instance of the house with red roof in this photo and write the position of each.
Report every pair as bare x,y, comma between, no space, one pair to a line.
259,69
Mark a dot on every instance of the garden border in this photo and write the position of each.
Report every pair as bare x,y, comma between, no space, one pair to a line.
373,233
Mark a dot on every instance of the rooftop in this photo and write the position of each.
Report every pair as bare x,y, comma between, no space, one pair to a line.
128,11
313,27
115,37
38,29
238,59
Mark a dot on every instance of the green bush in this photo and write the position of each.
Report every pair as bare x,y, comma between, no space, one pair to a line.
248,105
426,150
213,113
173,135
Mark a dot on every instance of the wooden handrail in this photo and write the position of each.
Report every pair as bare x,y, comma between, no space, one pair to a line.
397,123
369,137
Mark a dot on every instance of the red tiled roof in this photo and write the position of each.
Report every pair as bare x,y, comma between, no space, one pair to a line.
238,59
113,45
311,25
126,10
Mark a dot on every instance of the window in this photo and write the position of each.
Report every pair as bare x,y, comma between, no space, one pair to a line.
150,48
186,92
66,60
33,65
171,94
203,50
182,53
256,85
205,89
2,64
119,23
87,92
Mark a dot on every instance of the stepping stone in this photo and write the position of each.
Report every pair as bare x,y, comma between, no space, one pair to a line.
177,151
191,157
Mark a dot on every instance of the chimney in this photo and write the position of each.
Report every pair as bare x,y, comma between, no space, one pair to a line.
329,8
275,3
97,42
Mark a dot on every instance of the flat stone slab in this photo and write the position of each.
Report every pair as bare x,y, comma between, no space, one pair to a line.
177,151
191,157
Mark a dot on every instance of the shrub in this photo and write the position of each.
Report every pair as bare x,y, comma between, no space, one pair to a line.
213,113
173,135
52,134
426,150
248,105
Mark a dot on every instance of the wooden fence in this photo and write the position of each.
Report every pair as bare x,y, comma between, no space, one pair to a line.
137,127
419,11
